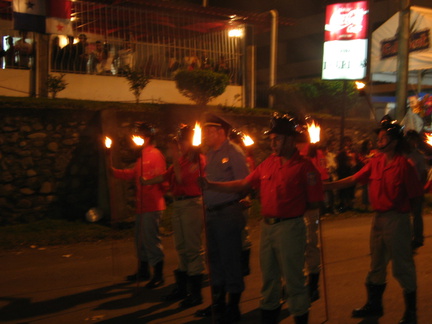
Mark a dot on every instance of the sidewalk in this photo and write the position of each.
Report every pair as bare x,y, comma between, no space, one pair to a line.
84,283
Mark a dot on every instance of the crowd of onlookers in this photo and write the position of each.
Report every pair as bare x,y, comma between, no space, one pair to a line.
107,59
349,158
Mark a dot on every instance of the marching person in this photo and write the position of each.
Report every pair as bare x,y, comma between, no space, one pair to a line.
150,204
394,190
224,221
312,219
289,184
187,219
237,138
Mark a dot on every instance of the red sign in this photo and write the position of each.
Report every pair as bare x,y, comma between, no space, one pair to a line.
346,21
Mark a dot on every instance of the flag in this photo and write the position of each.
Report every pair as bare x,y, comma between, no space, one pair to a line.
29,15
58,17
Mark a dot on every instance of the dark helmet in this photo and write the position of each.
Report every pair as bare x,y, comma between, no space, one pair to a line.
185,133
145,129
285,125
393,129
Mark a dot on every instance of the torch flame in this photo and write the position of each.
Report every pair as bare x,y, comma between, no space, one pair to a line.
108,142
429,138
314,132
247,140
138,140
360,85
197,135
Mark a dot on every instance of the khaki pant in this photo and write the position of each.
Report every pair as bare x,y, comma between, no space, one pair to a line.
391,240
147,238
313,256
282,256
187,223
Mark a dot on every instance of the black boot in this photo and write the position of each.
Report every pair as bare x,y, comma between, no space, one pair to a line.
270,316
195,297
302,319
142,274
410,316
232,312
373,306
313,287
219,303
157,279
245,257
180,291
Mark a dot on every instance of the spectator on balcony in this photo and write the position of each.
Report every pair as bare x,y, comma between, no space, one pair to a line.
98,58
222,66
24,51
82,55
68,55
55,53
206,62
171,64
125,58
192,62
9,53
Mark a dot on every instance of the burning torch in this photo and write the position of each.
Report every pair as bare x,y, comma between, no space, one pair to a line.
361,87
314,131
196,142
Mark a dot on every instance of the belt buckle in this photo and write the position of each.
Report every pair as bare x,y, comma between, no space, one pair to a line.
271,221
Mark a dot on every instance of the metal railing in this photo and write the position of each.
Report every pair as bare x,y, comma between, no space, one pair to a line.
111,38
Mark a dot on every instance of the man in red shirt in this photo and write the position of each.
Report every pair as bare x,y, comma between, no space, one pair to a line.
289,184
150,204
394,190
187,219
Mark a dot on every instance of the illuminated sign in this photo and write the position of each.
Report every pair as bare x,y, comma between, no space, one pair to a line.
418,41
345,41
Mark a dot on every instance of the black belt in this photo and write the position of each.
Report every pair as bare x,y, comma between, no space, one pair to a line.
184,197
222,206
275,220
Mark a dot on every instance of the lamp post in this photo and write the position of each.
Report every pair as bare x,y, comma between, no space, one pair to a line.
402,58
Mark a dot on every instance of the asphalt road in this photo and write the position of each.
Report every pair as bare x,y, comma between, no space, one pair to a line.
83,283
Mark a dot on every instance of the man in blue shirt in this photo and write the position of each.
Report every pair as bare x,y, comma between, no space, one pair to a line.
224,221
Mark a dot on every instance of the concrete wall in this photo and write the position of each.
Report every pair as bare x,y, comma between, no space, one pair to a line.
108,88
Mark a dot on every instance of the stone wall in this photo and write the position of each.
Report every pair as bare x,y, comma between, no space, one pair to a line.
48,163
53,163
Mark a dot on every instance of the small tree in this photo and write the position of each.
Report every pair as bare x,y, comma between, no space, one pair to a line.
137,81
56,84
314,96
201,86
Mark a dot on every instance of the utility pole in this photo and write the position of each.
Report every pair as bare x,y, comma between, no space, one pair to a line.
402,59
273,52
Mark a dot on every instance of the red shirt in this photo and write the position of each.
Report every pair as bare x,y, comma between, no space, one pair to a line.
189,175
391,186
286,189
319,161
149,165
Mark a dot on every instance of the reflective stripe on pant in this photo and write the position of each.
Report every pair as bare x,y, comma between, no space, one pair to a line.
391,240
187,225
282,256
313,256
147,239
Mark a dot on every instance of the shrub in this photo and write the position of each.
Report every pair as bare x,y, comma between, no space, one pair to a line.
56,84
137,81
201,86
